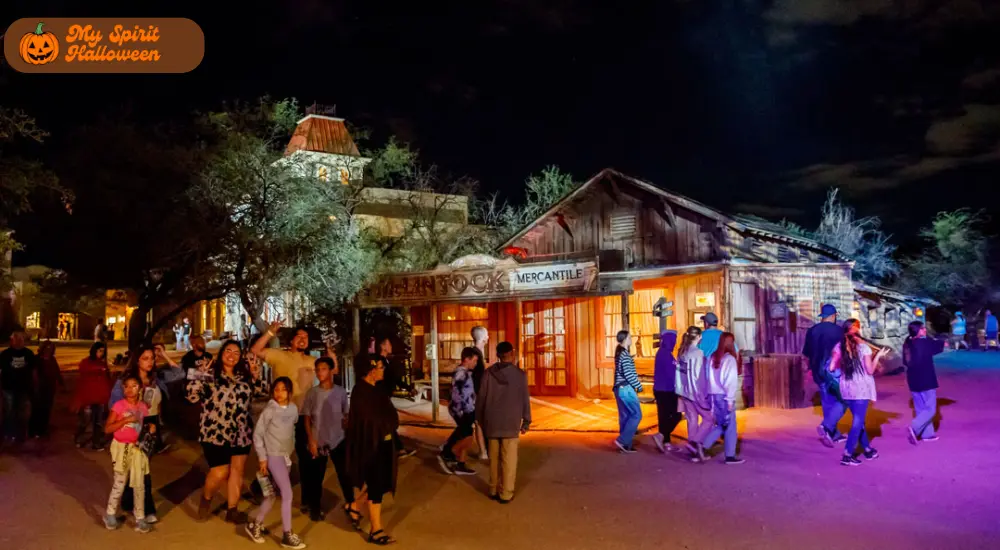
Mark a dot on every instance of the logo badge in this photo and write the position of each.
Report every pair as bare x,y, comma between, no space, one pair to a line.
39,47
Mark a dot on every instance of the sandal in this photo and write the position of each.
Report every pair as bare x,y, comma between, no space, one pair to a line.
381,540
353,516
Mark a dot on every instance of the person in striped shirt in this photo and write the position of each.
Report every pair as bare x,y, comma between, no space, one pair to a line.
627,389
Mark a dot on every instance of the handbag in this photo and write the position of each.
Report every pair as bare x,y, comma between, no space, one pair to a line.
147,441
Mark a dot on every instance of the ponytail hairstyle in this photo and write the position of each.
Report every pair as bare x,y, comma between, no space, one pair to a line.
913,329
727,345
850,359
620,337
692,334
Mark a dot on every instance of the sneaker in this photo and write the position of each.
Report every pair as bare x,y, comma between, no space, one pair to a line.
504,500
445,464
151,518
235,516
658,441
142,527
622,448
291,540
849,461
691,448
316,516
734,460
404,453
253,531
871,454
824,436
911,436
98,447
463,470
111,522
839,438
930,438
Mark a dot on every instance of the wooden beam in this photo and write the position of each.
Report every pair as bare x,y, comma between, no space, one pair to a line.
435,367
663,208
612,190
561,220
519,331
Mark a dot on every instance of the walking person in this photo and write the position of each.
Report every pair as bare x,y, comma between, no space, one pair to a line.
186,333
392,380
50,380
371,454
665,391
852,357
958,328
226,389
130,464
274,440
991,326
480,339
178,337
710,334
18,372
723,383
503,409
462,408
100,331
692,389
821,338
918,356
325,410
627,389
90,399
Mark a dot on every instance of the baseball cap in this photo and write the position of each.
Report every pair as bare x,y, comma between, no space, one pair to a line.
828,310
710,318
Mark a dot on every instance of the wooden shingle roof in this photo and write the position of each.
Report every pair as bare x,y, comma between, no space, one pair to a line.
322,134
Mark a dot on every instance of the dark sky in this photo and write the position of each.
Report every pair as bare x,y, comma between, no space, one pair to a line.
752,106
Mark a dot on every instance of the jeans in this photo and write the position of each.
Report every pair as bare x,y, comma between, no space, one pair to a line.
629,414
278,469
858,434
16,411
186,341
666,412
924,409
833,409
725,425
92,415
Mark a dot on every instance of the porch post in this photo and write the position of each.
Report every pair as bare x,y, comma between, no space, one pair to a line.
355,345
519,330
625,312
435,383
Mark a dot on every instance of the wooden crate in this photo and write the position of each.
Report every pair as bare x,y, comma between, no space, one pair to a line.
778,381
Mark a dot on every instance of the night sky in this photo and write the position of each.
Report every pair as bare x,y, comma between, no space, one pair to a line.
747,106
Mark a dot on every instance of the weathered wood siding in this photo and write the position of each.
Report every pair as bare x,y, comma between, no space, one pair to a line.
789,299
692,239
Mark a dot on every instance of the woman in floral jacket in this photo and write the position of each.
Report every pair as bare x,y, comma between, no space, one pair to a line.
226,390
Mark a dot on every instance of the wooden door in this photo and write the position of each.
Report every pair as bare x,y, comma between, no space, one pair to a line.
544,347
745,316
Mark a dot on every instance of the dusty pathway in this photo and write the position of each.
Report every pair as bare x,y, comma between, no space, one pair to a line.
575,493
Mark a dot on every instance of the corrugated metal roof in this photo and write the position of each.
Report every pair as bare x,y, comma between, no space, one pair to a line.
322,134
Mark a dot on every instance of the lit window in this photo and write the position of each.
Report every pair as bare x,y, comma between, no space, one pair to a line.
345,176
324,174
455,324
642,325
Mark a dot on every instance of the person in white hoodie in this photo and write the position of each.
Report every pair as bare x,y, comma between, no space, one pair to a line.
692,388
274,440
723,383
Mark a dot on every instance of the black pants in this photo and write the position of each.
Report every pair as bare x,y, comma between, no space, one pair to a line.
666,411
303,456
464,427
128,504
312,491
92,415
41,413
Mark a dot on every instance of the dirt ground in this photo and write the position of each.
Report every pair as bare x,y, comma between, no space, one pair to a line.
575,493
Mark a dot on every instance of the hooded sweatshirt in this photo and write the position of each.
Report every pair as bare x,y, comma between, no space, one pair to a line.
503,405
691,381
275,431
665,366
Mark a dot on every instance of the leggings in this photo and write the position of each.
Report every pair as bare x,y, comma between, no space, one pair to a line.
279,473
116,496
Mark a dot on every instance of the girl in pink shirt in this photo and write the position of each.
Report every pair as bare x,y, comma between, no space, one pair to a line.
130,464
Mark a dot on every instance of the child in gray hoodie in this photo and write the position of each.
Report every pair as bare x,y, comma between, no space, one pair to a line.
503,410
274,440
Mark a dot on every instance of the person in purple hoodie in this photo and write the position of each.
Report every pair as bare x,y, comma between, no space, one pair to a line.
664,390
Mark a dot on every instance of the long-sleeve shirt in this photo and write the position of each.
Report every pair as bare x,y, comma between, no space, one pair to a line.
625,374
225,415
463,395
275,431
725,379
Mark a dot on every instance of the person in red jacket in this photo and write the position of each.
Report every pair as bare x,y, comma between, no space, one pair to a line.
93,390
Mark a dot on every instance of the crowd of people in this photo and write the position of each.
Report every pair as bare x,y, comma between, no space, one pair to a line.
702,383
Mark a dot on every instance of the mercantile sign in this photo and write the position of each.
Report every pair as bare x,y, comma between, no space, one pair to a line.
503,280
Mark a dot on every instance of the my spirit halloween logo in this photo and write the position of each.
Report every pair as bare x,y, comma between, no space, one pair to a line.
104,45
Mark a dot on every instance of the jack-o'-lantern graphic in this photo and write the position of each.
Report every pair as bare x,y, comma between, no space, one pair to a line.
39,47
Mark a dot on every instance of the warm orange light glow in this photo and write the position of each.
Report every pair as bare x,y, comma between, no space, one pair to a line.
918,311
516,251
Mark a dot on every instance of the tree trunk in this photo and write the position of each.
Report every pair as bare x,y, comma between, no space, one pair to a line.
138,328
254,308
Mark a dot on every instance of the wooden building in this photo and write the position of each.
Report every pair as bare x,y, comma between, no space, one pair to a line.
597,261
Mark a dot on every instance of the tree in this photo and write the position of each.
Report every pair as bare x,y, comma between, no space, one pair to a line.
953,268
543,190
280,228
859,238
135,224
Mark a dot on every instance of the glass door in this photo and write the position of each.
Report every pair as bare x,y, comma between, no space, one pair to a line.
544,345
